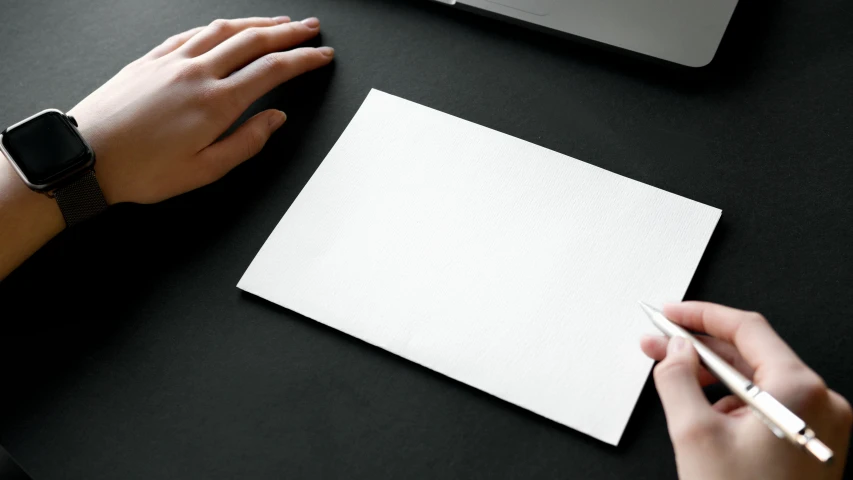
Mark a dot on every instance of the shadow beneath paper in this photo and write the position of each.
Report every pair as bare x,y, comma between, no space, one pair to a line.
713,252
517,415
647,417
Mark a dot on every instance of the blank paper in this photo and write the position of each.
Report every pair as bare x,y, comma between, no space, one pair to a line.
491,260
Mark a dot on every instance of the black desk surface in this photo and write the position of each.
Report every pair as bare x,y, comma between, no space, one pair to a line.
129,353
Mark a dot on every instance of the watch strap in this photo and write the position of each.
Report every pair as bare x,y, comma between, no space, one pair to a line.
81,199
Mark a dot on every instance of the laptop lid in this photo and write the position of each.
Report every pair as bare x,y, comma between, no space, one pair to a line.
686,32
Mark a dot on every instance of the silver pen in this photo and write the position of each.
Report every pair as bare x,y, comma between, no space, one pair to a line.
781,421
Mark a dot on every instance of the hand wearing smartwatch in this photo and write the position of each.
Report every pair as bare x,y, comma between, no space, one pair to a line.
151,132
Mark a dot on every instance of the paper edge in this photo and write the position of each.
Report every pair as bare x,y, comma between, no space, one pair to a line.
295,199
452,379
684,292
538,146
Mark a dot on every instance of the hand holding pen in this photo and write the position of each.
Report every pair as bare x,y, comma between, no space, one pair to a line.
725,440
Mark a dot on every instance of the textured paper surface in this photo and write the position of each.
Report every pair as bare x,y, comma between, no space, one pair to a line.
496,262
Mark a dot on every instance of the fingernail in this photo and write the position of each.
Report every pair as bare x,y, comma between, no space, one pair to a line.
676,344
312,22
283,19
277,120
327,51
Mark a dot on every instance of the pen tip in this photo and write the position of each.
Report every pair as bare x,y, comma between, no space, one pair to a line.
650,310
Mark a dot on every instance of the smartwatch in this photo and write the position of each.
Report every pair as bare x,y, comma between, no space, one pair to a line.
51,157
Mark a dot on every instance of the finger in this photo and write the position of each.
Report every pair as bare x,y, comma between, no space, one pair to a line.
269,71
655,348
220,30
172,43
728,404
842,405
246,142
844,412
684,403
253,43
750,333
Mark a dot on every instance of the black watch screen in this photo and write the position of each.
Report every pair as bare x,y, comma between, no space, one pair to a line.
46,149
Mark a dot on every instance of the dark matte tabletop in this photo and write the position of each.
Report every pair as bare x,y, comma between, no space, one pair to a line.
128,352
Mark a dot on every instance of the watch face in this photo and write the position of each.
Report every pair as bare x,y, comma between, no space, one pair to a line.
45,148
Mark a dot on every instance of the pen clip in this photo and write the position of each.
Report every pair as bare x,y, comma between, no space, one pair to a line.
773,428
783,422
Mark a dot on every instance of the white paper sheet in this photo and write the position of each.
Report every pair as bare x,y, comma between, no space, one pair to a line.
499,263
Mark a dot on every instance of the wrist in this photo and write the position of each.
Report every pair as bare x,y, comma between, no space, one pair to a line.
17,199
51,156
34,218
99,141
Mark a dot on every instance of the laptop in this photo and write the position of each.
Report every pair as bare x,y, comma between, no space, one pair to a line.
685,32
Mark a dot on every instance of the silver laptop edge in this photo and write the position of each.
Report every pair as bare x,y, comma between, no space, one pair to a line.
686,32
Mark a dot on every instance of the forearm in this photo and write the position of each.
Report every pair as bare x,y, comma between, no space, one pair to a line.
28,219
157,126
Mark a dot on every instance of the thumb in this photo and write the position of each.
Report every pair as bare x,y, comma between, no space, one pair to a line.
246,142
677,382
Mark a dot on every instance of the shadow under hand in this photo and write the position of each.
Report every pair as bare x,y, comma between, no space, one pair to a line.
89,288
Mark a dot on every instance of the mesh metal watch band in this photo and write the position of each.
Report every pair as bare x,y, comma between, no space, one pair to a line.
81,199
